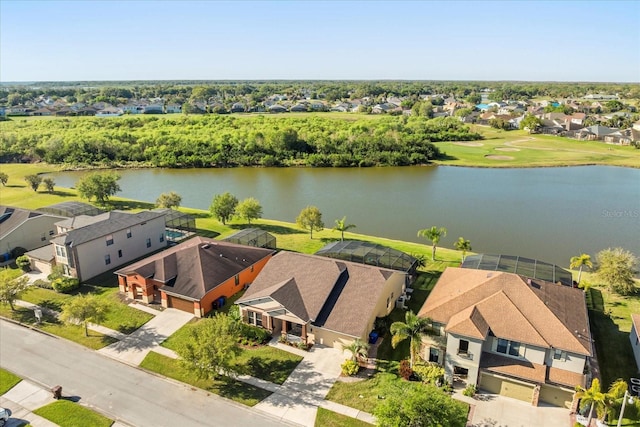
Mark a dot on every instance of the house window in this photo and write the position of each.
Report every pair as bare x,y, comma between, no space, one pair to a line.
514,348
237,278
109,240
50,232
502,346
434,355
436,326
66,270
559,354
254,318
161,237
128,233
107,259
463,347
148,242
119,253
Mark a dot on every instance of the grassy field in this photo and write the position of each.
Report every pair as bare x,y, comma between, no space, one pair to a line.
7,381
227,387
327,418
69,414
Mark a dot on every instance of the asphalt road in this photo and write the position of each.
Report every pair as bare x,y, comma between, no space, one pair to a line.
125,393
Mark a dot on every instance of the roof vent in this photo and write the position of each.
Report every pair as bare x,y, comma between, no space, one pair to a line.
221,256
489,274
205,246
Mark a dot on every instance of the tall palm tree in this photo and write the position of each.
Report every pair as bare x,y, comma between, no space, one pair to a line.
433,234
579,262
617,391
463,245
358,349
593,397
414,328
342,226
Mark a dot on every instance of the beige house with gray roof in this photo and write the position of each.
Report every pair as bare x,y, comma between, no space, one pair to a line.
519,337
23,228
320,300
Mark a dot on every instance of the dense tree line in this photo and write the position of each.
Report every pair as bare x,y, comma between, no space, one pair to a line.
226,141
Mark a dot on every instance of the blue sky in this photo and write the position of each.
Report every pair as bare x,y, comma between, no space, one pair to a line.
421,40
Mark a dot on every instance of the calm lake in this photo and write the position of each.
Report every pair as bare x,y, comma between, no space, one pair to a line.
545,213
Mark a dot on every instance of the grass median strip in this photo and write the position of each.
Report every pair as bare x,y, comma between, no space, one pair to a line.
68,414
225,387
327,418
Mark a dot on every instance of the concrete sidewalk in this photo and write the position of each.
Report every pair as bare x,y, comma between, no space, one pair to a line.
24,398
133,348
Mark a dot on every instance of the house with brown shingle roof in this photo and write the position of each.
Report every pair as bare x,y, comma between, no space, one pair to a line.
320,300
508,334
634,337
195,275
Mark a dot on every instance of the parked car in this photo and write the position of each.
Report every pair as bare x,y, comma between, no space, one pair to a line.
4,416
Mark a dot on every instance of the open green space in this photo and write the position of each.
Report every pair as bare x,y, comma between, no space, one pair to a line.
226,387
69,414
7,381
327,418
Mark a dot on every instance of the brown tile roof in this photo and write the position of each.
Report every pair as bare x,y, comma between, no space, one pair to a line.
539,313
516,368
566,378
195,267
333,294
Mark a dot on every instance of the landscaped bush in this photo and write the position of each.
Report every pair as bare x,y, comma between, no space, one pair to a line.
405,370
470,390
23,263
65,284
382,324
430,374
253,334
43,284
350,367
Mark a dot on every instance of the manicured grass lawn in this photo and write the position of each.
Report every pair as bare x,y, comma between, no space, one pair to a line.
228,387
327,418
264,362
7,381
73,333
371,390
69,414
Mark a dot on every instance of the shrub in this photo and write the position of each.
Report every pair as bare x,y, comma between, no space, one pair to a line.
18,252
431,373
23,263
350,367
382,324
65,284
405,369
254,333
469,390
43,284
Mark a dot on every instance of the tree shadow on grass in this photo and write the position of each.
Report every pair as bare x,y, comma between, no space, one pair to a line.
279,229
275,371
207,233
236,390
62,193
125,205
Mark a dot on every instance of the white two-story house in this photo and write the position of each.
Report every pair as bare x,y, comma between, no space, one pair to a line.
519,337
87,246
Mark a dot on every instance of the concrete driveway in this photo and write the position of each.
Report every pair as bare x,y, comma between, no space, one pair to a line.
135,347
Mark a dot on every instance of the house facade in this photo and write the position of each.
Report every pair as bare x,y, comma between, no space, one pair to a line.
320,300
523,338
23,228
634,338
88,246
195,275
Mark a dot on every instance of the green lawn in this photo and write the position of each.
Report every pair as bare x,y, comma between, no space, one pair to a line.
228,387
363,395
68,414
7,381
327,418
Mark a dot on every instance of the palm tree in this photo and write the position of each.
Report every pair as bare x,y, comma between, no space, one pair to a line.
463,245
342,226
433,234
579,262
414,328
358,349
617,391
593,397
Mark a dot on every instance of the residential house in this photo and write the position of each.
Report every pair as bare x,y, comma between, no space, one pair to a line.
595,132
90,245
320,300
195,276
387,107
238,107
173,108
154,108
298,108
23,228
109,112
634,337
620,137
520,337
43,111
277,108
602,96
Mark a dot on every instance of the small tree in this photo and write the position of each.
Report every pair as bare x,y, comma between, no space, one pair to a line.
342,226
97,185
249,209
84,309
33,181
49,183
310,218
616,268
530,123
223,206
11,289
463,245
359,349
592,397
580,261
4,178
169,200
211,347
433,234
24,263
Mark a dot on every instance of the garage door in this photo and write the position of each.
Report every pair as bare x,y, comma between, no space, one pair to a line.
506,388
180,304
555,396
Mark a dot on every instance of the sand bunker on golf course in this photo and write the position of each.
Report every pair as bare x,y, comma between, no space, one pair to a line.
469,144
494,157
507,149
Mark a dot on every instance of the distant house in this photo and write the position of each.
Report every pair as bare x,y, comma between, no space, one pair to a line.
109,112
277,108
173,108
320,300
595,132
634,337
520,337
43,111
90,245
601,96
154,108
238,107
23,228
195,275
298,108
620,137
